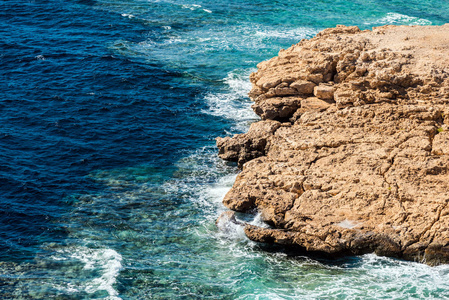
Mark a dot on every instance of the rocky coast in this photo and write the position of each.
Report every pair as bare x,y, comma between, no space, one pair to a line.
351,155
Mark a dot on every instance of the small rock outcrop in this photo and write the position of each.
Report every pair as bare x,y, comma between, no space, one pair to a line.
352,153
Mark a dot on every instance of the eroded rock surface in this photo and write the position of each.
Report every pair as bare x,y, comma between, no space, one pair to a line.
352,155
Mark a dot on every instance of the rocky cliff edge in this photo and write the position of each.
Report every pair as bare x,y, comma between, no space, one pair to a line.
352,153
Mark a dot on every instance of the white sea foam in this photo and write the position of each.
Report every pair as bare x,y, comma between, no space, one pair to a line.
228,230
106,262
392,274
233,103
399,19
209,180
380,277
239,82
130,16
207,46
191,6
247,37
209,196
257,221
296,33
217,191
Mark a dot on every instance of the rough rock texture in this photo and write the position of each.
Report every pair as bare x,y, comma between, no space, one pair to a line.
352,155
244,147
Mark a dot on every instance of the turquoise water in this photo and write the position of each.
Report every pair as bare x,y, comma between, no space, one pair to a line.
110,181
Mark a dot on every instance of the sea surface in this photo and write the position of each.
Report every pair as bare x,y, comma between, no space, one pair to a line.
110,183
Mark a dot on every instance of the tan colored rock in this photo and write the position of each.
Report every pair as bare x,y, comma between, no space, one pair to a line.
243,147
441,143
390,63
368,173
310,104
303,86
278,108
324,92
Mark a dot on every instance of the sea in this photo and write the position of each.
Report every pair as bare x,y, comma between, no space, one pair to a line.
110,184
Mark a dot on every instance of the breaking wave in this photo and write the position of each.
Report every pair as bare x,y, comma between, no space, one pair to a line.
392,18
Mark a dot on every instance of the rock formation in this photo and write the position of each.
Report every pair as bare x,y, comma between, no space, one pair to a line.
352,153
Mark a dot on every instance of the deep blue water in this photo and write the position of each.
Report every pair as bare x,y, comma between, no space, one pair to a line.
109,180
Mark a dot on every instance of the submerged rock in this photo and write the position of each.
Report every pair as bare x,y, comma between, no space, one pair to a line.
362,164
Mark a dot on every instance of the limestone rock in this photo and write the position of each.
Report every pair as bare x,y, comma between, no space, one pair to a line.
324,92
303,87
246,146
366,170
278,108
388,64
441,143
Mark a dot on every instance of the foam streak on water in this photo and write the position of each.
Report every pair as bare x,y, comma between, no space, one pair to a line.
105,261
400,19
233,103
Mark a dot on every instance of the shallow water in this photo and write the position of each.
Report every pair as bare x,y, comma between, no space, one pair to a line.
110,183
